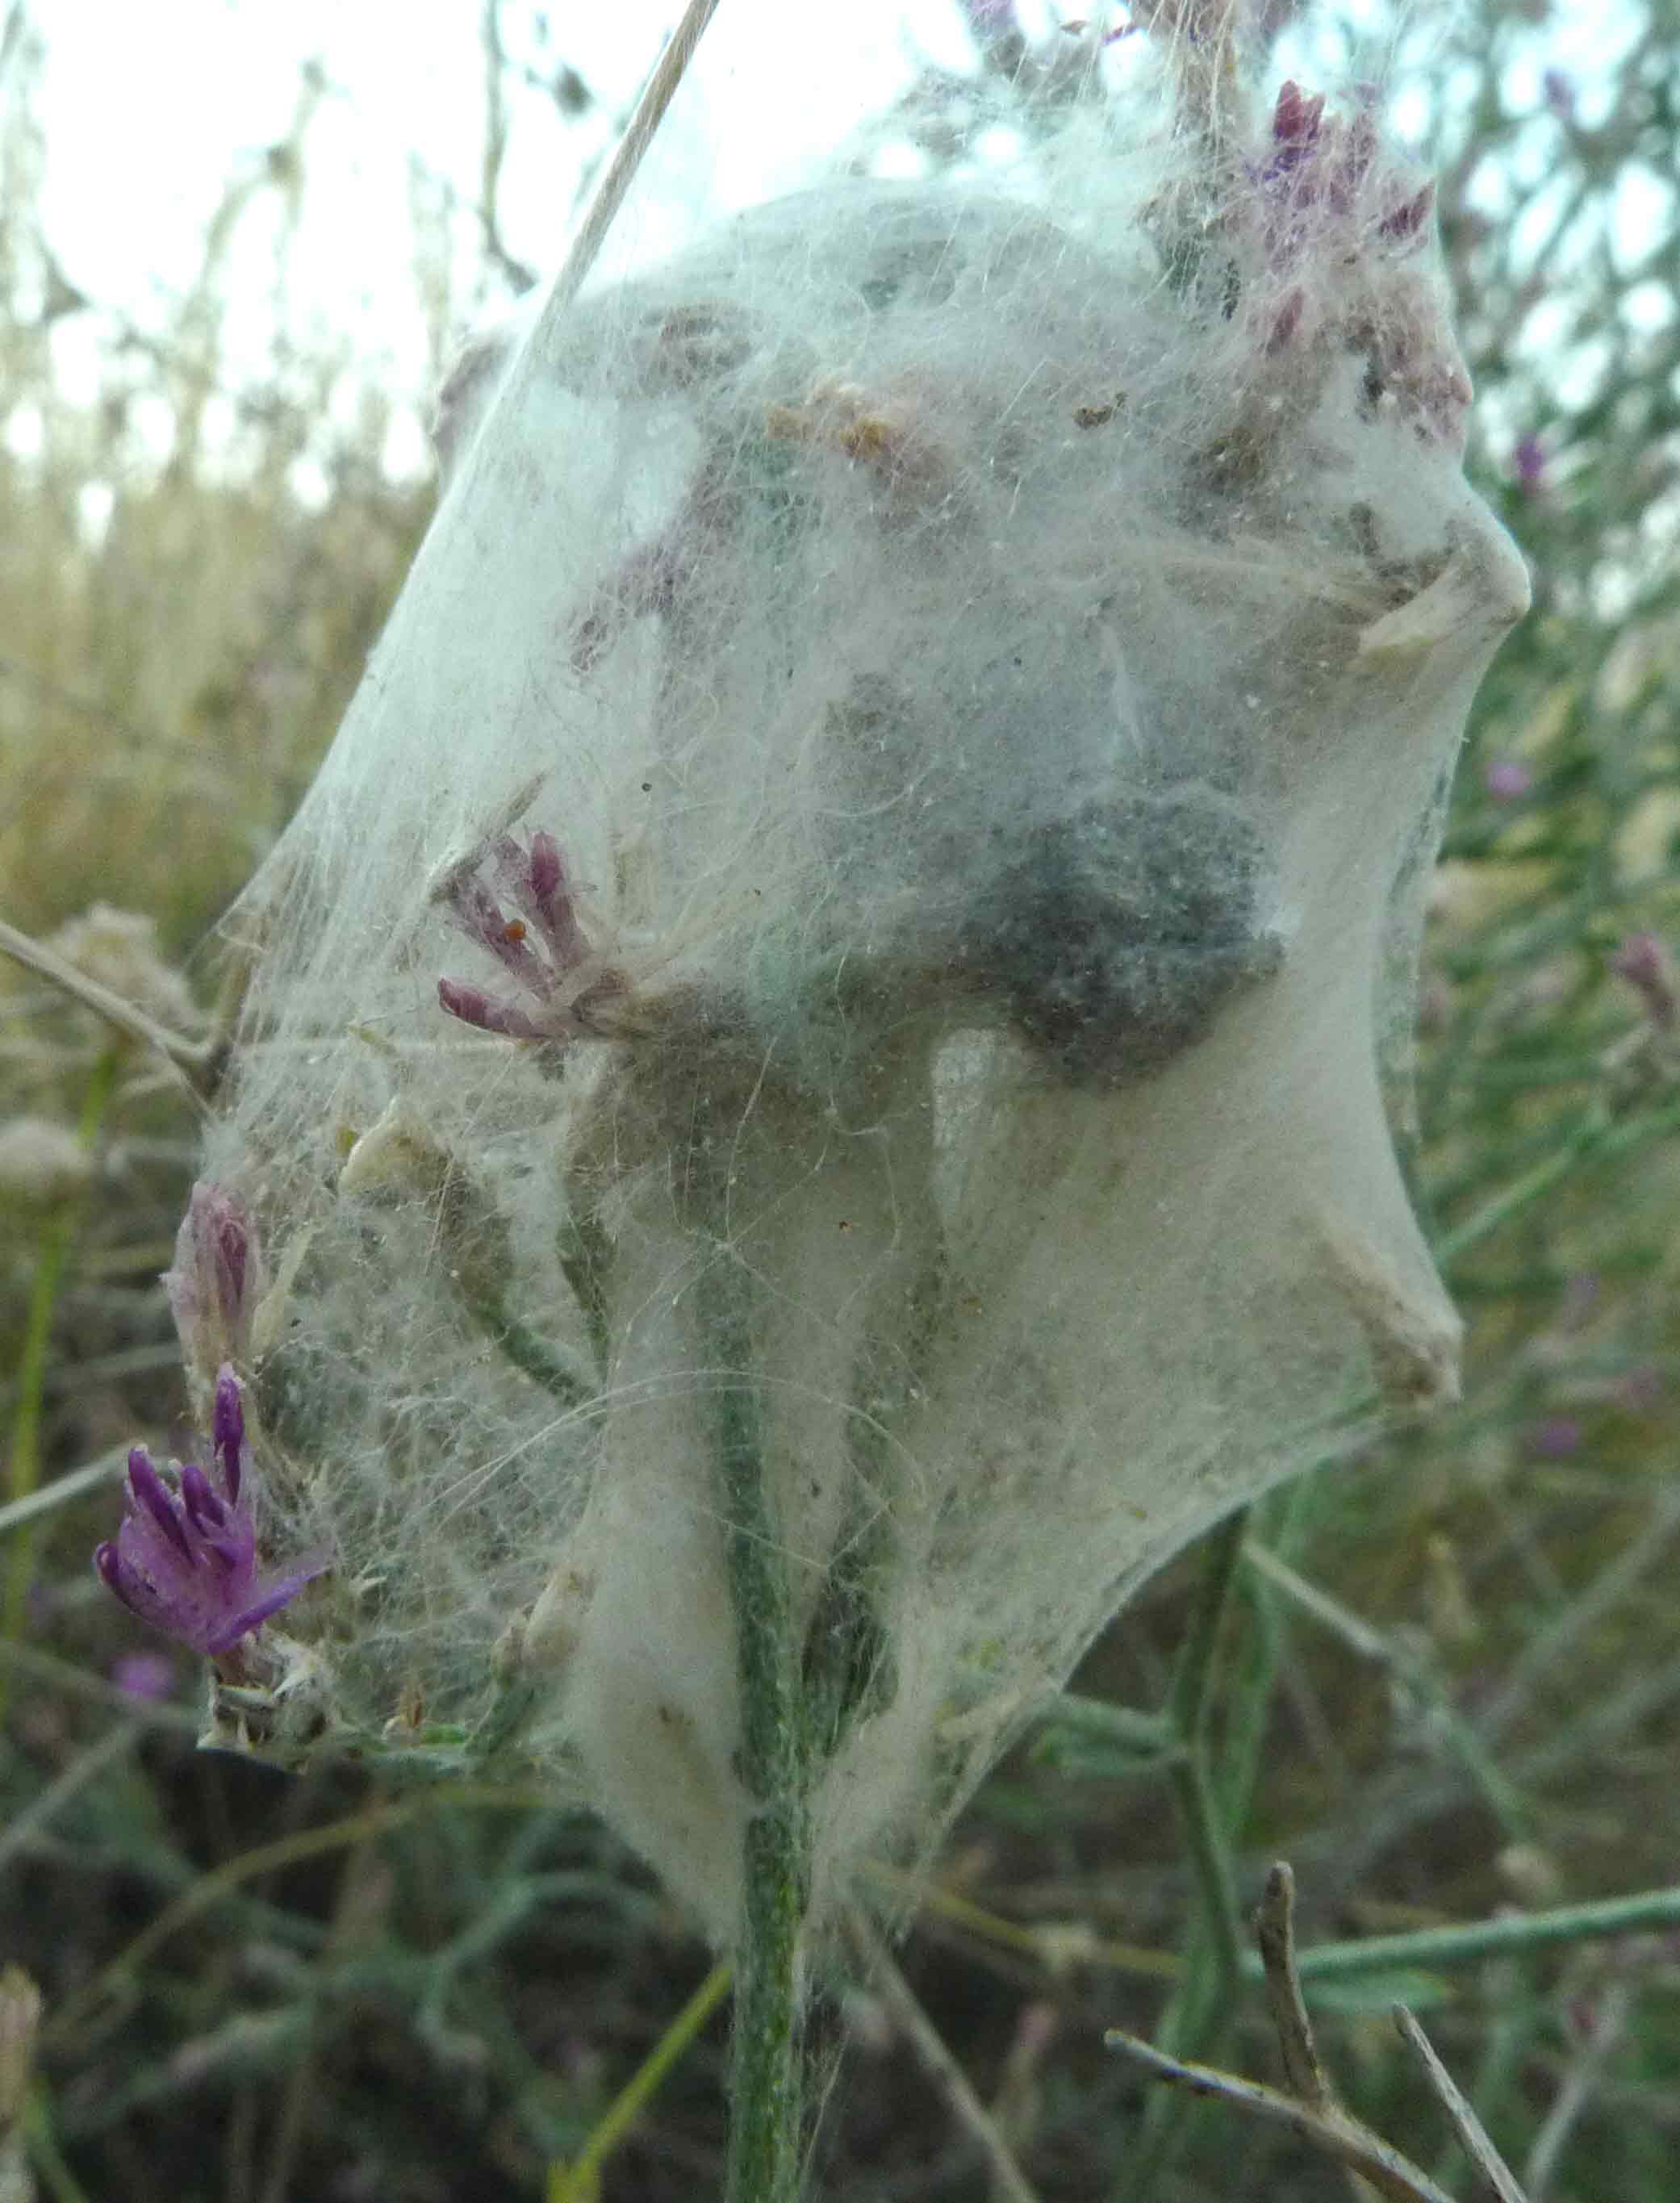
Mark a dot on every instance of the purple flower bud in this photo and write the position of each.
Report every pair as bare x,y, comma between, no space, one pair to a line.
542,946
147,1486
216,1280
1410,215
475,1007
1296,120
204,1510
1326,198
1527,463
227,1429
185,1559
1507,780
1555,1439
547,871
540,887
1559,91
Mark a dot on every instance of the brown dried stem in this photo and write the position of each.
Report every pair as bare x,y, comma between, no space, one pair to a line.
1472,2135
1309,2108
196,1061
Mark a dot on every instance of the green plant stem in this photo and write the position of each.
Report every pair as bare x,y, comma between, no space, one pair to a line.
529,1353
57,1238
766,2081
1084,1738
580,2181
1476,1939
1595,1138
44,2153
1190,1773
1501,1794
1213,1955
1203,2002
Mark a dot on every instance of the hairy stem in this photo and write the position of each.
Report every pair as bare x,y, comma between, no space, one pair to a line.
529,1353
766,2081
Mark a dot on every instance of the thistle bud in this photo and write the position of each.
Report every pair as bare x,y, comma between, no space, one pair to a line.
216,1281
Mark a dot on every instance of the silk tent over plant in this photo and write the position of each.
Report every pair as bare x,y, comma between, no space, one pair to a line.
811,1083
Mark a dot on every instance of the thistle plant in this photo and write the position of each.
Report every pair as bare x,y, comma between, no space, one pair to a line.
929,712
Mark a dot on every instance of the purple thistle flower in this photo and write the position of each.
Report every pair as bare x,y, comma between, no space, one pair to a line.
185,1559
541,946
1507,780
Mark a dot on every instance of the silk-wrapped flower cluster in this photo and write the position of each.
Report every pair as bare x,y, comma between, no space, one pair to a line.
815,1073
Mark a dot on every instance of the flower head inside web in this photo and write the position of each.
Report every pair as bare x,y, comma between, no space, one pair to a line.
538,941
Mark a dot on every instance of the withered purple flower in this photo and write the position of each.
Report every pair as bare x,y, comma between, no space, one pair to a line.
216,1279
1328,208
539,943
185,1558
1321,162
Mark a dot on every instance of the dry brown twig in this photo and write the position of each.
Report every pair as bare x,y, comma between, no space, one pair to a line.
191,1059
1307,2105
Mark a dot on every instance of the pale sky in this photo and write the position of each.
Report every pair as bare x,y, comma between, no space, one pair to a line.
150,112
142,142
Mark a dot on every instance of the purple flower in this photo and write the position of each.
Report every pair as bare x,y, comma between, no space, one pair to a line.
541,946
147,1675
1326,196
1560,92
1507,780
1555,1439
185,1559
1527,463
216,1280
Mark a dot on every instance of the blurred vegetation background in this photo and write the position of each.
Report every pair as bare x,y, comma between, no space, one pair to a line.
1446,1684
